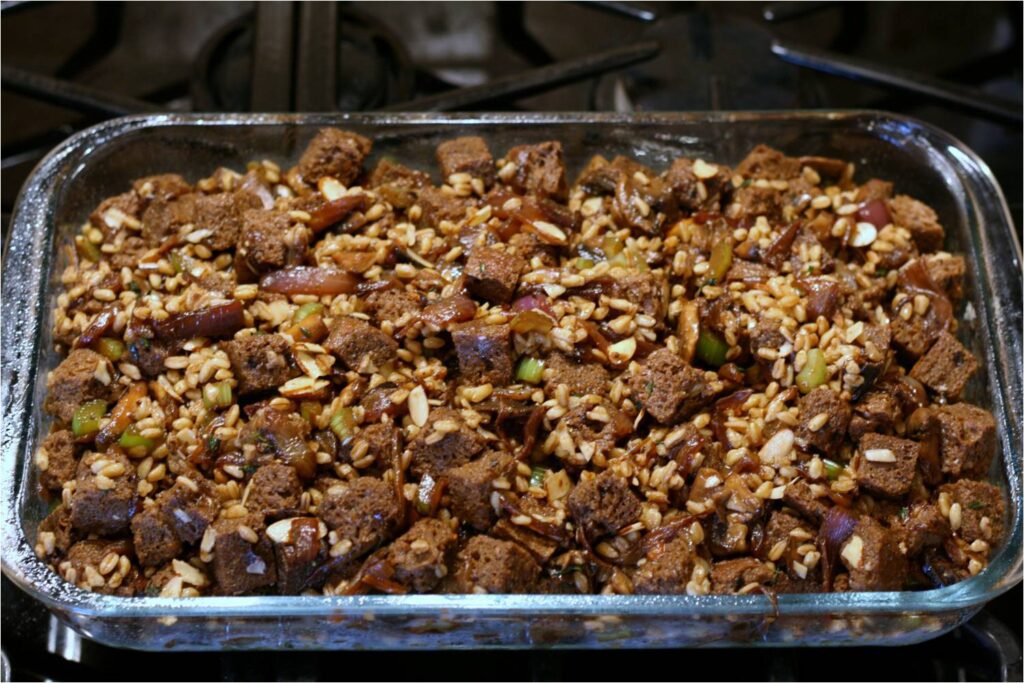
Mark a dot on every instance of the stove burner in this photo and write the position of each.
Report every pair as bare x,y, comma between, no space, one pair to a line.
372,67
704,65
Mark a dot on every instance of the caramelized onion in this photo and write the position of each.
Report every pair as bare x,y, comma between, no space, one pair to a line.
916,280
222,320
450,310
121,415
97,328
822,296
333,212
836,526
309,280
874,212
779,249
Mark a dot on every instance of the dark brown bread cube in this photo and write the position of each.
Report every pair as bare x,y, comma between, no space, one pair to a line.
74,382
668,388
397,184
164,218
542,549
103,505
419,556
920,526
297,552
390,172
153,538
365,512
393,305
669,571
799,496
828,436
384,442
967,439
947,271
455,446
148,355
484,352
644,290
581,378
58,453
946,368
982,510
438,206
770,164
334,153
885,465
487,565
469,488
128,203
189,506
604,504
466,155
273,488
540,170
239,565
750,201
877,411
59,524
766,334
280,434
783,535
361,346
729,576
267,241
915,336
873,558
919,219
874,189
260,362
222,215
686,185
492,274
85,558
163,187
605,432
128,254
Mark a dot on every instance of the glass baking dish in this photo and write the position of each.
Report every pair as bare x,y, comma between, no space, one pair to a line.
101,161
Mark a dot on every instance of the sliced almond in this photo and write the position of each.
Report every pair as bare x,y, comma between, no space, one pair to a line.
419,409
853,550
281,531
549,232
879,455
620,352
188,573
330,188
704,170
863,234
304,387
776,451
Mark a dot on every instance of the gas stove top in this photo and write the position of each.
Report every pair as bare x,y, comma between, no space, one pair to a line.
69,65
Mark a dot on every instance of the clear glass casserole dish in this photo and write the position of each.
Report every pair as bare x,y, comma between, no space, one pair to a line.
102,160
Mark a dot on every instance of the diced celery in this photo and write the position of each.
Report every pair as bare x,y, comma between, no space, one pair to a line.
718,264
86,419
537,476
814,372
306,310
111,348
342,424
711,348
131,438
529,370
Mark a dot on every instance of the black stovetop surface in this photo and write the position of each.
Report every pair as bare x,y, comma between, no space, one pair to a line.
196,56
